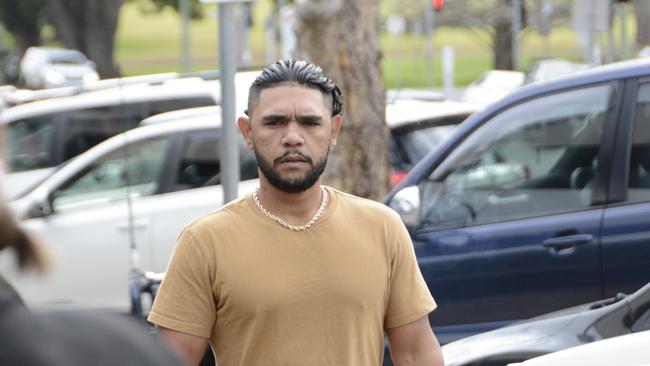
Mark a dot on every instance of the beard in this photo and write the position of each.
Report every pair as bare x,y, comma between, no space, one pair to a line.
294,185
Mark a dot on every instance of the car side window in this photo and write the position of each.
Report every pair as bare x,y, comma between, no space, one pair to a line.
639,176
85,128
200,166
536,158
132,170
30,143
199,161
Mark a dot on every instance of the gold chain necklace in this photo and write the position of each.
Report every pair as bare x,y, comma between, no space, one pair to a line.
286,224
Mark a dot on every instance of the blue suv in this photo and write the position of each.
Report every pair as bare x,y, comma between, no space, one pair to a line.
539,202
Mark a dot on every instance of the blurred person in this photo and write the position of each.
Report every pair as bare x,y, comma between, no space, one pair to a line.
68,337
296,273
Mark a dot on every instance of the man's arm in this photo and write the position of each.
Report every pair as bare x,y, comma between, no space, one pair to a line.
414,344
189,347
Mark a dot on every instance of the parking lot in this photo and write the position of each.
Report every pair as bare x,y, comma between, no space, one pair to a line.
525,195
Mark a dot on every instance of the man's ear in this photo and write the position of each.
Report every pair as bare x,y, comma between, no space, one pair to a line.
337,121
244,124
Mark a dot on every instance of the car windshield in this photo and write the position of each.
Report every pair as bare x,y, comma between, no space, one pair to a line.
67,58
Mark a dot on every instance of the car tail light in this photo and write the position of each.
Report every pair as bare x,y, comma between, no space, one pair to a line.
397,177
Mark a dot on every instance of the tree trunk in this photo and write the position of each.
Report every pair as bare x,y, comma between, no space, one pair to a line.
99,35
642,10
343,38
502,36
22,20
88,26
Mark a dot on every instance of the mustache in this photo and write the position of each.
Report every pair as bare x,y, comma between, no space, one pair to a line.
292,155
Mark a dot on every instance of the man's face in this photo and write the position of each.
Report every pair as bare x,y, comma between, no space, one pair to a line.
291,132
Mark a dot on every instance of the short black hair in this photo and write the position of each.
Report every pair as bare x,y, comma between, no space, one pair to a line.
300,72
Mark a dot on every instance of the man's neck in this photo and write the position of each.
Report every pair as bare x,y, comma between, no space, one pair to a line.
294,208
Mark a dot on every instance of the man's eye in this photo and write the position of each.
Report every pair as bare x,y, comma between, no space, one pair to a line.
272,122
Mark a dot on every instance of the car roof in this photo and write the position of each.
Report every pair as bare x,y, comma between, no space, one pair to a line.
197,122
181,114
596,75
168,89
21,96
403,112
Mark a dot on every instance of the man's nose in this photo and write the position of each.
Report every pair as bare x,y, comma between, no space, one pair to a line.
293,134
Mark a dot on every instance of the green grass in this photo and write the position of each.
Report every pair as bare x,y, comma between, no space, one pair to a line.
149,43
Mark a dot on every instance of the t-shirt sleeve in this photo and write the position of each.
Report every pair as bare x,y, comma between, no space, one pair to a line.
185,301
409,297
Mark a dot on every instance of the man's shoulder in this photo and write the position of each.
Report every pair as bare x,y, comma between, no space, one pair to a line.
231,213
362,205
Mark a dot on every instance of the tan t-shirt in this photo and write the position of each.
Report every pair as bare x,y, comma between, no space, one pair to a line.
265,295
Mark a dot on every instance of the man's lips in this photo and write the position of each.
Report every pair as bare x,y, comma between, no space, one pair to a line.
292,158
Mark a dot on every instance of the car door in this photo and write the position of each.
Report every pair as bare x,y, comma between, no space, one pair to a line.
193,189
626,226
508,226
96,217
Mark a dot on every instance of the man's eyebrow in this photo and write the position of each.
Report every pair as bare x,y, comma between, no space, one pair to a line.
310,118
275,117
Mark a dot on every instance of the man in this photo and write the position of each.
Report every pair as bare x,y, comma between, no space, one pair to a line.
69,337
296,273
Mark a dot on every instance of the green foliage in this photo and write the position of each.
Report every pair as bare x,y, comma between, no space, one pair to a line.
22,18
156,6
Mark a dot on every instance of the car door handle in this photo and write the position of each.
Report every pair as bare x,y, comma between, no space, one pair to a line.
565,242
137,224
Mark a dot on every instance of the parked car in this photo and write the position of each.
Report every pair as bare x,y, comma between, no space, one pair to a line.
548,69
539,202
416,94
131,194
417,127
493,85
46,133
625,350
549,333
47,67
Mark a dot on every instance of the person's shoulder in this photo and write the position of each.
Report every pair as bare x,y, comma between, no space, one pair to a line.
364,205
222,218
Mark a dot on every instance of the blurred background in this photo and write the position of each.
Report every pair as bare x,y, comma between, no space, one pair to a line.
149,36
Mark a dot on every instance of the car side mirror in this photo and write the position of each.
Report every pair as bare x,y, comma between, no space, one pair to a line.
406,203
40,209
642,323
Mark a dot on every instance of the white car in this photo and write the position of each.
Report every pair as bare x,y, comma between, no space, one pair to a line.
47,67
626,350
493,85
136,190
46,133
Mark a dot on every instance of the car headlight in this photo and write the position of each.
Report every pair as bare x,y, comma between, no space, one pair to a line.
90,77
54,77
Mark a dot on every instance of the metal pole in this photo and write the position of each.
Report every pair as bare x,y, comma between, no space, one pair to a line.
516,29
622,13
428,25
589,33
229,158
185,36
278,29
